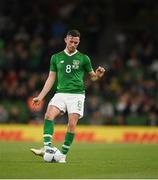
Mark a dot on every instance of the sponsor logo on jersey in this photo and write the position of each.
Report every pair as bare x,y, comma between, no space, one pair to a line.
62,61
75,64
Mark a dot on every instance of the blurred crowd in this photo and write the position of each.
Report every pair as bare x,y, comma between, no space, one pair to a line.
31,31
129,91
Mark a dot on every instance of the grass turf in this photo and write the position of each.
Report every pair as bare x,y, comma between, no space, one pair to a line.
84,161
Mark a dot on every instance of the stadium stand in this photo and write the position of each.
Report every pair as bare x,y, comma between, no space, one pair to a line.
112,35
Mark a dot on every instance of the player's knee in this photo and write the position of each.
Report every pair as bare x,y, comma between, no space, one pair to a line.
71,126
49,116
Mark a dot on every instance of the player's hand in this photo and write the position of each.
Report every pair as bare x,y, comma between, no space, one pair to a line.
100,71
36,101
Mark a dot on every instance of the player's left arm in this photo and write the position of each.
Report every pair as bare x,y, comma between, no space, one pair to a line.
99,72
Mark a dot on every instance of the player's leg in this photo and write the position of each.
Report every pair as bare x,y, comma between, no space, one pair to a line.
69,137
48,129
70,134
75,108
55,108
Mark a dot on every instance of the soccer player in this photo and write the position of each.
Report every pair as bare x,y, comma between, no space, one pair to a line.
68,66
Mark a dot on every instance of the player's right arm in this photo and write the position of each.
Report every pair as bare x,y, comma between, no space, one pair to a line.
47,86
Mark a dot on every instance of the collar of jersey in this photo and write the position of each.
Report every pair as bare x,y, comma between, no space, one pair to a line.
70,54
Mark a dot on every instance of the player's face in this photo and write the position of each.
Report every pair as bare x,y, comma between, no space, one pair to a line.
72,43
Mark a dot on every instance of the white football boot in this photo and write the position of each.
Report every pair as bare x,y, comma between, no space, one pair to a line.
62,159
38,152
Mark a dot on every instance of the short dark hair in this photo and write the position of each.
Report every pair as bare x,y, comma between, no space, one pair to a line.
74,33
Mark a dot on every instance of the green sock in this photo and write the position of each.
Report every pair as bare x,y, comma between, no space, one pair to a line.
48,132
69,137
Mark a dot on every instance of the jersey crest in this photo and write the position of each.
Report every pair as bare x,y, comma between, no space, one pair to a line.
75,64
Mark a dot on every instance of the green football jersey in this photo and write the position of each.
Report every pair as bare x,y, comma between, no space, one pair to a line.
70,71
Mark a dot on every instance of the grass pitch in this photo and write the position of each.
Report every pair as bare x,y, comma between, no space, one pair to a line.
84,161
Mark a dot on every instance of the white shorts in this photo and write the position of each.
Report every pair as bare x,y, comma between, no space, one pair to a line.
72,103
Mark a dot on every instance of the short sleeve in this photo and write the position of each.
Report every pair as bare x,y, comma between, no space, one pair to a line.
53,64
87,64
